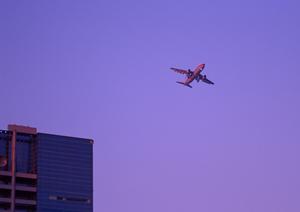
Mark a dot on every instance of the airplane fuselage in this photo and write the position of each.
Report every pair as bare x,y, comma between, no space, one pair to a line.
196,74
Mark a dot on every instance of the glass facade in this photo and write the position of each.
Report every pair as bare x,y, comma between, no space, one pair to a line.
65,174
45,172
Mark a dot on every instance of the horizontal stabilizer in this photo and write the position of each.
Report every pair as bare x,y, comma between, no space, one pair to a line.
182,83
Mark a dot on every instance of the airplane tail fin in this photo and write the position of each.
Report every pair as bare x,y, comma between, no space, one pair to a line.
182,83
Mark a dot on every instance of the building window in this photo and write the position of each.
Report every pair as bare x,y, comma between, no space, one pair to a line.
70,199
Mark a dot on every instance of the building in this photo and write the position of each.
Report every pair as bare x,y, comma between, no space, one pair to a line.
45,173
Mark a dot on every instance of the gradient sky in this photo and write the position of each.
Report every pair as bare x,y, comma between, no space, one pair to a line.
100,69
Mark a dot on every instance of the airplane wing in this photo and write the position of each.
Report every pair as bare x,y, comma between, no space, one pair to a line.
207,81
199,68
180,71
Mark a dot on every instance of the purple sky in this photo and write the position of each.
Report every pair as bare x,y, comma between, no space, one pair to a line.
100,69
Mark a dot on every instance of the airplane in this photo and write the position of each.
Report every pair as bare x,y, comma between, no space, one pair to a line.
193,75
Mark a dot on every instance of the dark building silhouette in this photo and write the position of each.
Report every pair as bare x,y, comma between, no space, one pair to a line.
45,173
